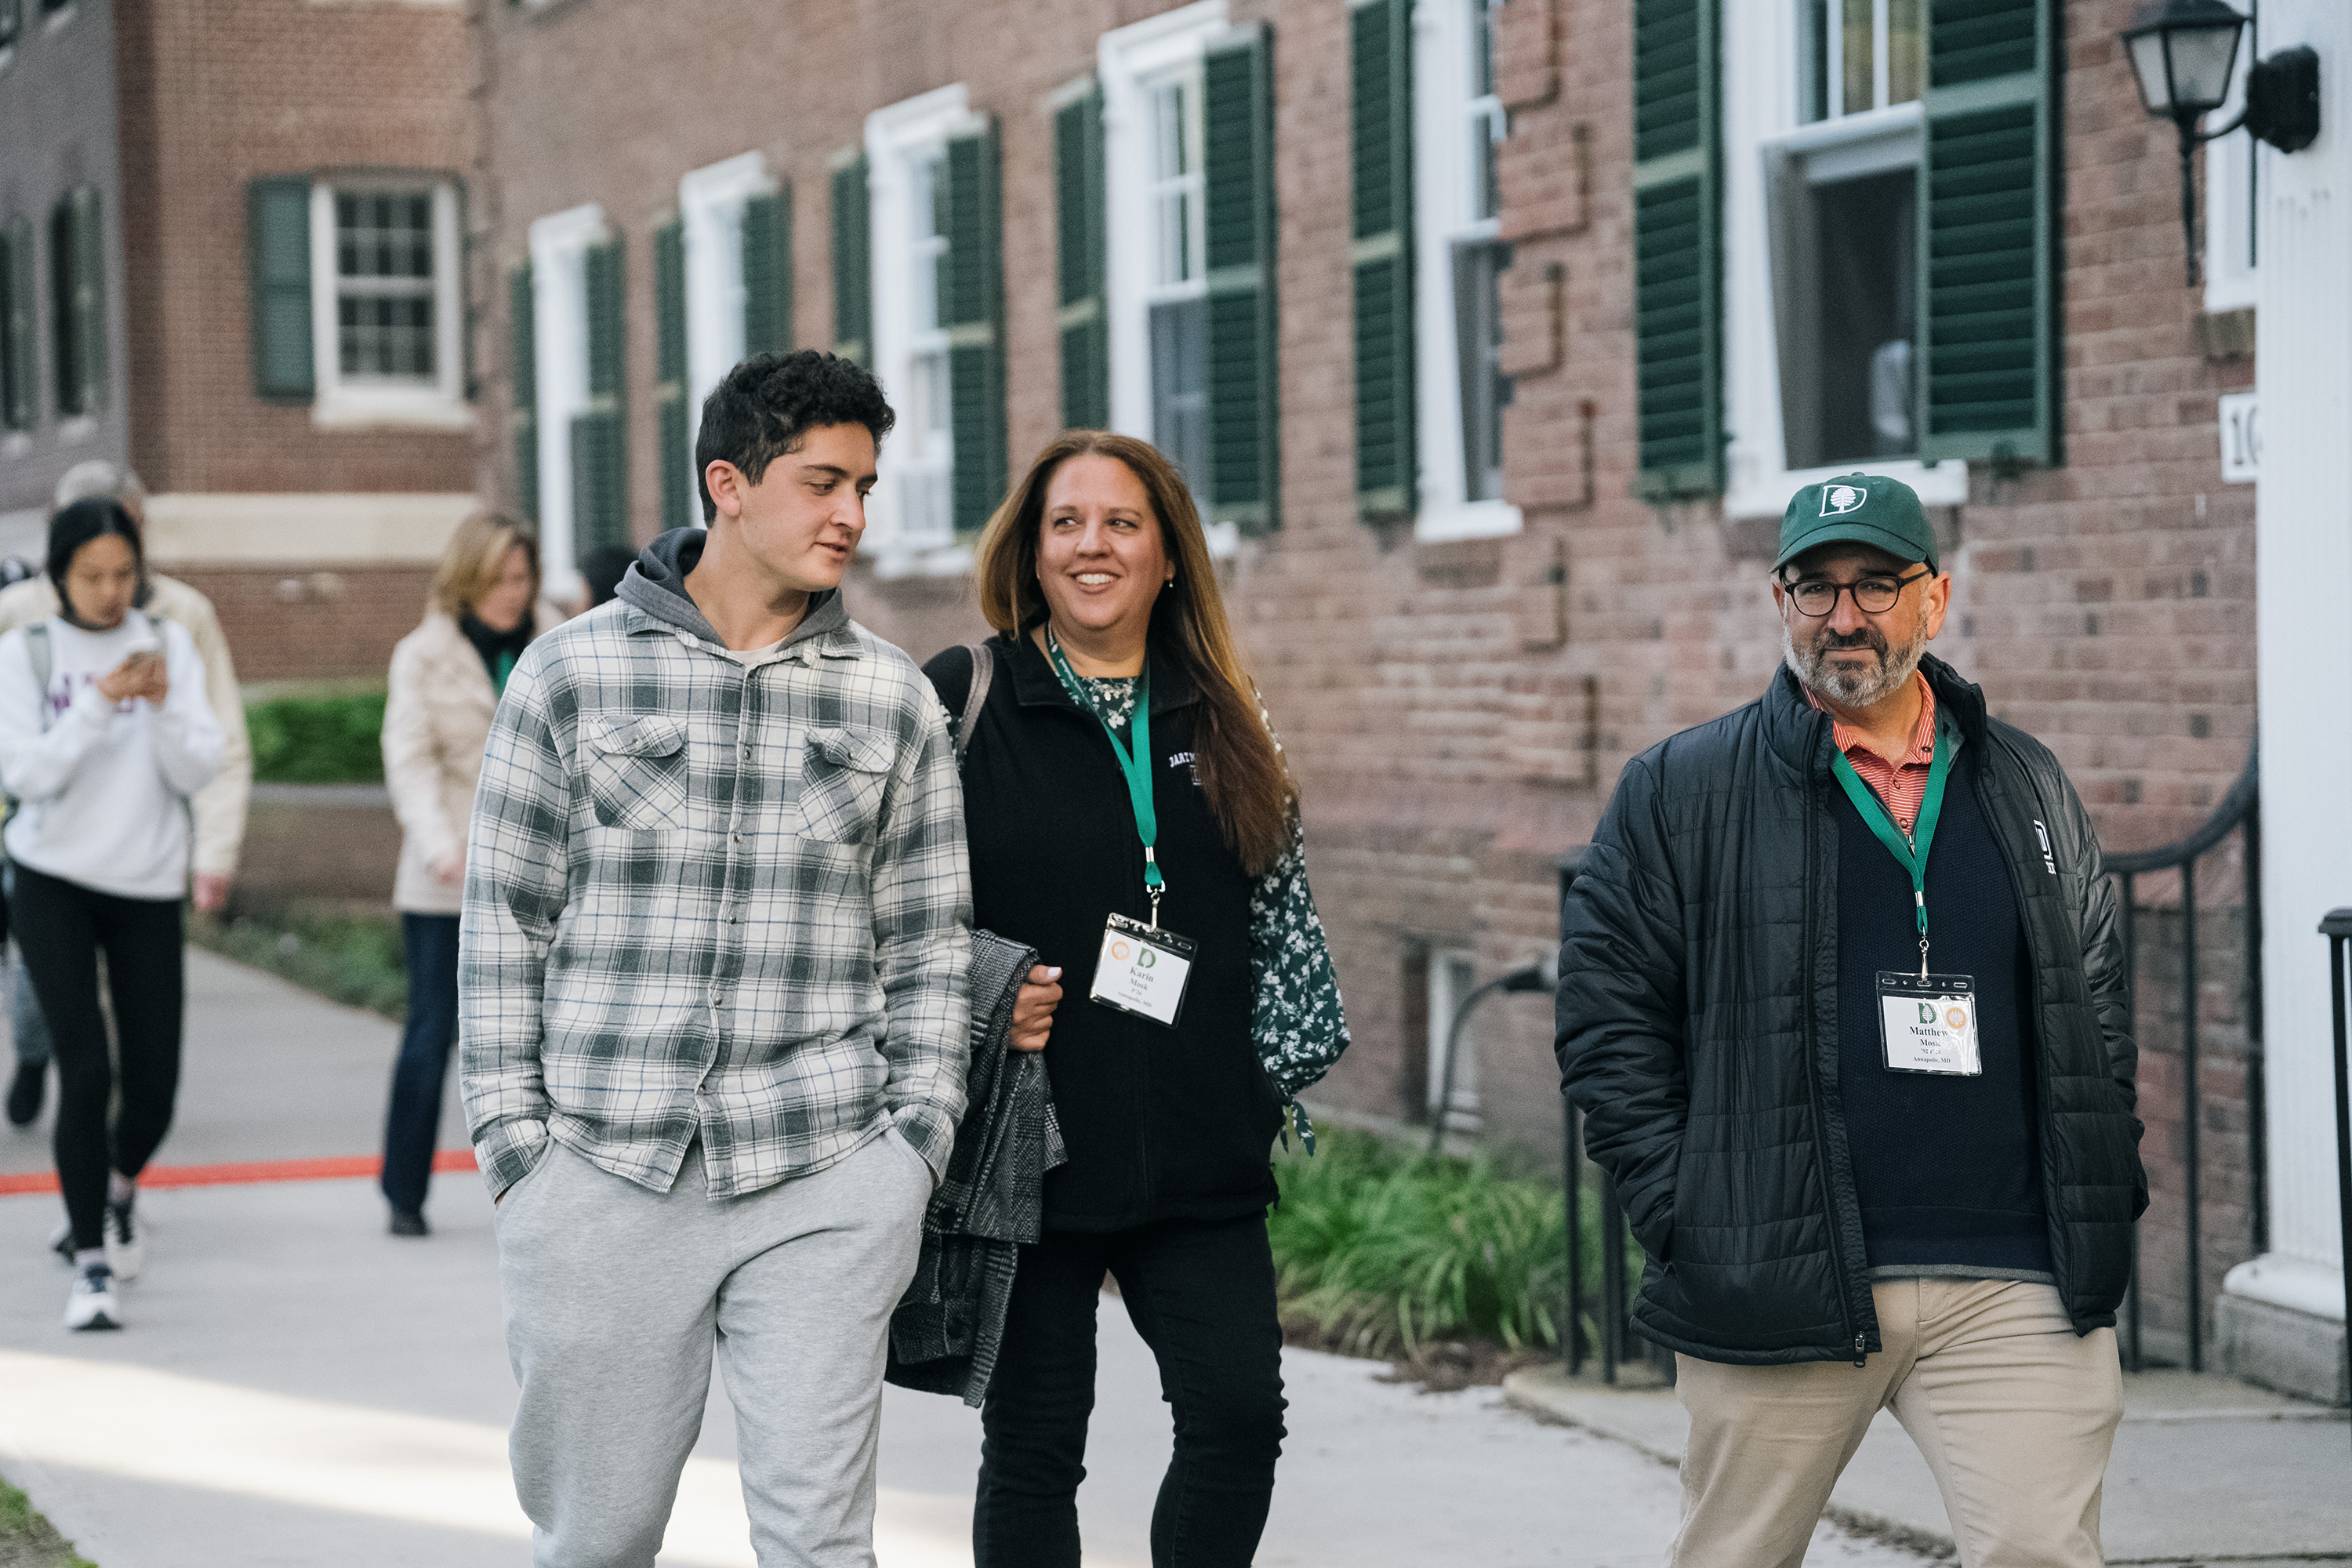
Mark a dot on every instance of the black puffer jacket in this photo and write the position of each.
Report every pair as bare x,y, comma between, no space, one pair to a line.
1698,1004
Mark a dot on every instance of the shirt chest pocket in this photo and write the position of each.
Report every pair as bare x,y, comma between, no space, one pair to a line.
840,795
636,774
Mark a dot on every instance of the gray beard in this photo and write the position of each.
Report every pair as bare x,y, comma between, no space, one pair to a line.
1846,687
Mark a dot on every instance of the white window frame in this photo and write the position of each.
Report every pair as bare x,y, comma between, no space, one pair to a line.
1453,975
365,404
1762,114
2233,275
1130,61
560,243
710,203
1448,118
895,137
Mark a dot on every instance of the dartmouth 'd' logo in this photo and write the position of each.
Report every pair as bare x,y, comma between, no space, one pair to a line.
1838,499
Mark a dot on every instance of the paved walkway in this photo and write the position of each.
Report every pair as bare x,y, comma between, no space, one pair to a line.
297,1388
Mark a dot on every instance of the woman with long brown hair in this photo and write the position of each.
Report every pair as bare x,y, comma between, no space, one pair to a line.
1131,818
446,677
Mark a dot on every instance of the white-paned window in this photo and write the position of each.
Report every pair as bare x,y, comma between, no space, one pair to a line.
1822,130
1458,127
911,514
1860,54
560,243
710,203
2233,177
1453,975
1156,282
1177,303
388,313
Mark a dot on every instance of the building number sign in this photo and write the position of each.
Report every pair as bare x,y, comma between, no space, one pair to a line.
2242,438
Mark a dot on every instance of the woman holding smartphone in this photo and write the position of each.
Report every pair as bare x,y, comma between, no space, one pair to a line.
104,734
1130,817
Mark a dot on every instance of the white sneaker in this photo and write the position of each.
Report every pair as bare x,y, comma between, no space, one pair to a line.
126,1242
91,1304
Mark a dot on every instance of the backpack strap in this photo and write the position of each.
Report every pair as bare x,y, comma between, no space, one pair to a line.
37,645
975,698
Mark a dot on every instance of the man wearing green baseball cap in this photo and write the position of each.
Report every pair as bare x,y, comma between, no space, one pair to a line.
1843,1001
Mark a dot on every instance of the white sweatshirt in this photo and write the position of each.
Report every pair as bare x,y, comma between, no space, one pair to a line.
104,786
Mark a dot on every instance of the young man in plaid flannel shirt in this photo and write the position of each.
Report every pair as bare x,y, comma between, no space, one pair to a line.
716,933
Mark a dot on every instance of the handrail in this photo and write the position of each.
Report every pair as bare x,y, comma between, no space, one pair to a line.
2242,798
2240,808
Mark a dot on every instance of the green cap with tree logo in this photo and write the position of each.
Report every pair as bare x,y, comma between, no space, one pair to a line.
1858,508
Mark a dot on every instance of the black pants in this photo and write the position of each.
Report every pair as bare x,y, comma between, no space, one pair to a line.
61,927
1202,1295
430,944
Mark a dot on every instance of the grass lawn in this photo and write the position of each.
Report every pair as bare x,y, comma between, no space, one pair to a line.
346,953
25,1539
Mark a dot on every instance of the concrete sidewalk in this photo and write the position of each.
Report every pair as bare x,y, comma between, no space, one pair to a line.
295,1387
2206,1470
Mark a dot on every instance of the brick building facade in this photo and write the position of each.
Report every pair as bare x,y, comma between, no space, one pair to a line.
1459,674
277,186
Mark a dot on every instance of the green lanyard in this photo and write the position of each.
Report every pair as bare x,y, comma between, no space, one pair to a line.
1910,852
1134,760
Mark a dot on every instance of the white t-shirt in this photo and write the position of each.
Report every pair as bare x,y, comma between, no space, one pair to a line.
103,787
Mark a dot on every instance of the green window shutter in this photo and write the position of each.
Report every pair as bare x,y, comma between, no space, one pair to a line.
853,262
523,363
1081,223
78,299
1678,247
600,468
669,389
971,308
1989,239
278,251
1380,71
19,401
768,274
1237,168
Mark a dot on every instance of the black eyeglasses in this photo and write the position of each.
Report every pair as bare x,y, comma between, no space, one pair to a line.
1818,596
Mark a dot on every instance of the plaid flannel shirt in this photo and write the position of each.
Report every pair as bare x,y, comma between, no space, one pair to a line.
703,897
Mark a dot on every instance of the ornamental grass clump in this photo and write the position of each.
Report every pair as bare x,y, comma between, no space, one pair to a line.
1387,1251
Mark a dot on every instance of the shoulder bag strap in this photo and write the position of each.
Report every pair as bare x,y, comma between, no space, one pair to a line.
975,696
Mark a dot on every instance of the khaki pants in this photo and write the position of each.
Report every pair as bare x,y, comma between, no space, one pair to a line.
2014,1413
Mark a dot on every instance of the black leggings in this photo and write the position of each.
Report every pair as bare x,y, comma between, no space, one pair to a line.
61,927
1202,1295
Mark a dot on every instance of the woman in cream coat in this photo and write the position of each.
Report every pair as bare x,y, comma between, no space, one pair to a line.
447,676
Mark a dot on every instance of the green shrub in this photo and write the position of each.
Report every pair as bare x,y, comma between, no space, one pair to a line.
319,740
1387,1250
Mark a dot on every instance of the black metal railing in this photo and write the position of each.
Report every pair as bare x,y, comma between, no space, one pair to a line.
2240,811
2337,929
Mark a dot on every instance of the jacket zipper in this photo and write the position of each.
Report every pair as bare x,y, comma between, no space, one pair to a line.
2040,1036
1821,1103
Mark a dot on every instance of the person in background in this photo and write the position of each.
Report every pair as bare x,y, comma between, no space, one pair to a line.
104,734
446,677
601,571
1131,818
219,807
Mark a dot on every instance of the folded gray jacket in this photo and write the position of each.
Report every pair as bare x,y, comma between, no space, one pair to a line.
945,1331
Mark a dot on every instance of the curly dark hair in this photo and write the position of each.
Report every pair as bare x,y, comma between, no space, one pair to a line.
762,408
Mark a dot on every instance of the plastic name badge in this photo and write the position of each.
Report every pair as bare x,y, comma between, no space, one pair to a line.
1928,1022
1143,970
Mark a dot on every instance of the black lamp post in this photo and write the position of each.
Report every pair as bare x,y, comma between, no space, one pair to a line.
2182,52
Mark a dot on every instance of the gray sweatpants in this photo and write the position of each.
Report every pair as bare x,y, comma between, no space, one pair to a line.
615,1296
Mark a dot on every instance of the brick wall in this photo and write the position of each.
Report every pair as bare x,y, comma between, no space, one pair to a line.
298,622
214,94
1455,716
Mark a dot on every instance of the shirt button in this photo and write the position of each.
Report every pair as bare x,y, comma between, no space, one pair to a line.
738,838
747,754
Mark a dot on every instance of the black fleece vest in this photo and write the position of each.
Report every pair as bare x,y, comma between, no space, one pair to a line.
1947,1170
1160,1123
